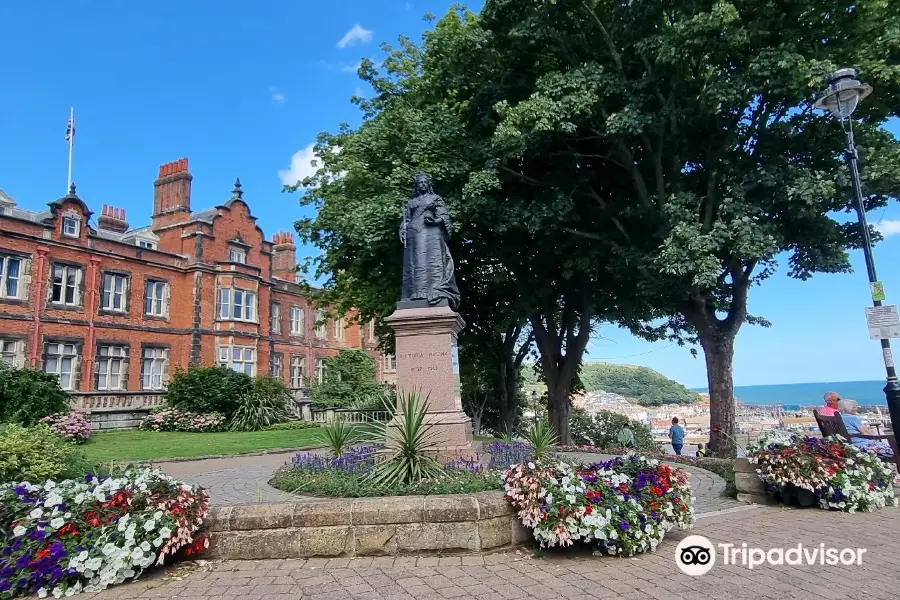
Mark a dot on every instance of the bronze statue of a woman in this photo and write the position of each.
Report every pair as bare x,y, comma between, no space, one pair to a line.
427,264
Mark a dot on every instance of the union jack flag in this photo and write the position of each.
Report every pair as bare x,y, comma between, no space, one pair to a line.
70,129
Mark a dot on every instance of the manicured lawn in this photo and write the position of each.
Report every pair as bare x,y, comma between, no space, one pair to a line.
134,445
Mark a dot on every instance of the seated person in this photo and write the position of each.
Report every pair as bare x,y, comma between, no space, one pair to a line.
701,450
832,399
855,427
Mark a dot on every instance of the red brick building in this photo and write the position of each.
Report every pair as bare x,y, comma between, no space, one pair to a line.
113,310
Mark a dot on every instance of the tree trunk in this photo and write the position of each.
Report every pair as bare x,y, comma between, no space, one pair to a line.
558,407
503,390
718,349
508,418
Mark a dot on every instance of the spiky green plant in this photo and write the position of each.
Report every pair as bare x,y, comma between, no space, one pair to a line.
339,436
541,438
409,439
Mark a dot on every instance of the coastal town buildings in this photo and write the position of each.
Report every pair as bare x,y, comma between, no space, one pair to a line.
114,310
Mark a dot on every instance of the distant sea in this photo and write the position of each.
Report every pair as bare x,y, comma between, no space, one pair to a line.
805,394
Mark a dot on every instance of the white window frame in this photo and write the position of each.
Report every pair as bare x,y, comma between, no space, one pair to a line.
278,366
237,255
154,368
75,226
297,365
12,352
6,279
339,327
298,320
389,363
113,299
321,325
238,358
372,330
66,270
320,370
64,358
146,244
232,310
275,325
111,362
157,293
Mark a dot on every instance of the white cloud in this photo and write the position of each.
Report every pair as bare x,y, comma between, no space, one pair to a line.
303,164
278,97
357,34
888,227
351,68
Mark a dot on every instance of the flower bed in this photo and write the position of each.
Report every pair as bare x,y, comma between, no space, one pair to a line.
72,426
838,474
65,537
348,477
623,506
172,419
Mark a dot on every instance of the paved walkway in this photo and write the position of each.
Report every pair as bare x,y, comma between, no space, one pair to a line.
244,480
573,575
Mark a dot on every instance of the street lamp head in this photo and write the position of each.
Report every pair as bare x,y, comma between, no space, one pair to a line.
843,94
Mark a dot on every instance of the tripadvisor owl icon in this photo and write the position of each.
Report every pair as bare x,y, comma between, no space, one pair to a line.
695,555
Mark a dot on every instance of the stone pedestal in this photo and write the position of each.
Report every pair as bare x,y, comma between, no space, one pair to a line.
427,361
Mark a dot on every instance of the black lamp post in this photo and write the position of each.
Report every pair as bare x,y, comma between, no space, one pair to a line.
841,98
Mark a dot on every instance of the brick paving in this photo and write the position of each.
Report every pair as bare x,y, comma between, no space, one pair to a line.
574,574
244,480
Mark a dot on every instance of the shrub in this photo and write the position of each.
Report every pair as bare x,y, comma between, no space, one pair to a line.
86,534
291,425
208,389
350,382
541,439
28,395
72,426
258,411
839,474
602,431
172,419
409,438
339,436
34,454
623,506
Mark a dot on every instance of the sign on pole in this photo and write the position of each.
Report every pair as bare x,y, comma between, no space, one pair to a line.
883,321
877,291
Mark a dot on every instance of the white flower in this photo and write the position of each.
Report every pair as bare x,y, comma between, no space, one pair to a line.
157,515
36,513
93,564
57,592
49,485
145,546
19,531
165,532
149,525
57,522
42,592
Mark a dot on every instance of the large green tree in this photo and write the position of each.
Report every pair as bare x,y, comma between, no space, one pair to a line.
689,126
509,241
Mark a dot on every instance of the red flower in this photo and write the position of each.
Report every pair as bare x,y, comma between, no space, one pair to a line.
623,487
588,510
562,510
68,529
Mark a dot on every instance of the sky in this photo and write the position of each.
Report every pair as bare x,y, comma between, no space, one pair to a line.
243,90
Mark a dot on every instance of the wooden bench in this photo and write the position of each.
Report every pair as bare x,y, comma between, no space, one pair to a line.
834,425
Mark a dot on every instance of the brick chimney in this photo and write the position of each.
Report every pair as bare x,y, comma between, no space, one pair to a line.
172,190
113,219
284,256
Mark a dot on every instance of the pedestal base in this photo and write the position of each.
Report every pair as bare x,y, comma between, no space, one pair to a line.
427,365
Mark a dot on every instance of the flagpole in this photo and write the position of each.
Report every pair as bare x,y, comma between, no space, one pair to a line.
71,143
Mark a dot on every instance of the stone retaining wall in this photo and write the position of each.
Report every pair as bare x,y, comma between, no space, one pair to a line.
365,527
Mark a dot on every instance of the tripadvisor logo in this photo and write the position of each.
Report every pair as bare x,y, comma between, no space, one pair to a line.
696,555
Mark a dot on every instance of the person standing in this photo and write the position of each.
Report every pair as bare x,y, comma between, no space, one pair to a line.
626,437
676,435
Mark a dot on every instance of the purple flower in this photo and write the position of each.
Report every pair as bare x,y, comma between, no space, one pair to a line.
57,550
37,535
4,585
624,526
23,560
7,572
